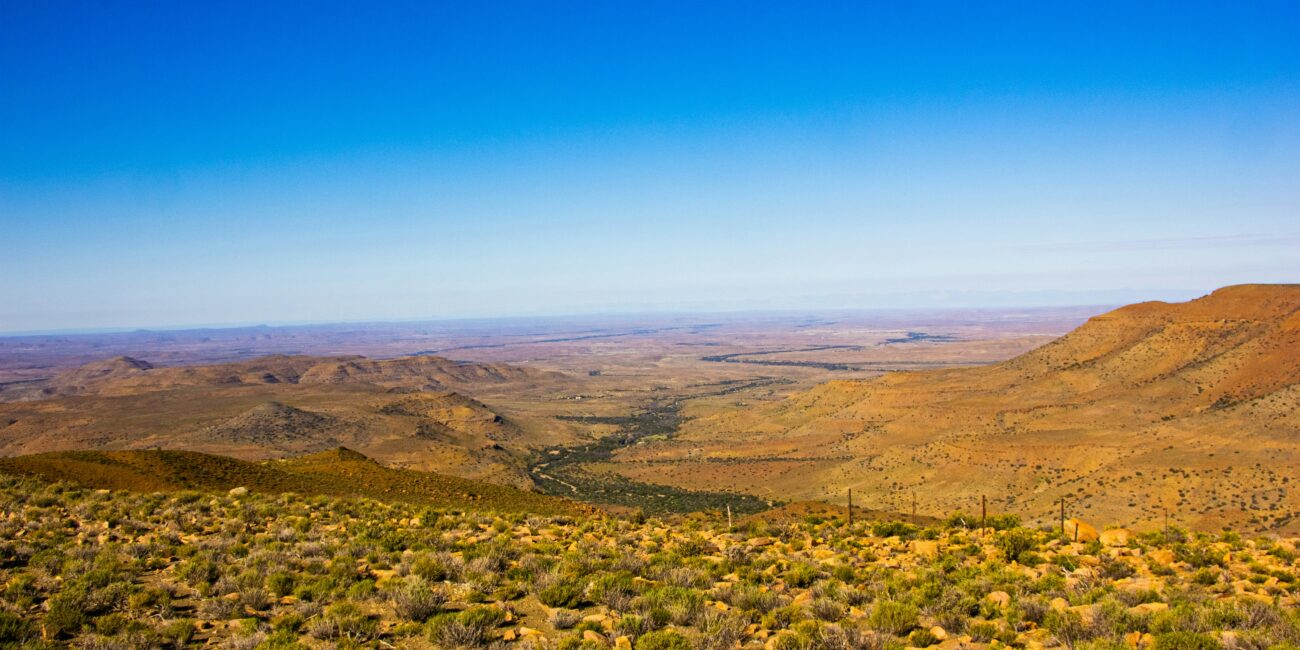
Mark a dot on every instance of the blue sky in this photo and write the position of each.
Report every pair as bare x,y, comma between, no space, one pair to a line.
168,164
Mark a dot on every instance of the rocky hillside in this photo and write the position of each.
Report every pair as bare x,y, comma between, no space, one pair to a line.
1189,407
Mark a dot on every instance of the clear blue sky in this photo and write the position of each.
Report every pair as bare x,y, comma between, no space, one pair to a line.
174,163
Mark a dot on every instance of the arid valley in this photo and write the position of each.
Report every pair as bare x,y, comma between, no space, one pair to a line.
729,325
919,413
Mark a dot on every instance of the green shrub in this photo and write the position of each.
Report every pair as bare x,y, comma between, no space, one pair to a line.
921,638
995,522
67,611
280,583
430,567
893,617
14,630
614,590
416,600
482,617
680,604
983,631
562,592
1016,542
1186,641
662,640
893,529
179,632
801,574
1066,626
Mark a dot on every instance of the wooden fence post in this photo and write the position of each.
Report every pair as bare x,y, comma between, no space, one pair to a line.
850,508
1166,508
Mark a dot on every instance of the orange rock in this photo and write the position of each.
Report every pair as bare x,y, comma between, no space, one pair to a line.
926,548
1079,531
1115,537
1161,556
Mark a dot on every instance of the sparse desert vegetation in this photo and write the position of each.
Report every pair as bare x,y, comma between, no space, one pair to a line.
115,569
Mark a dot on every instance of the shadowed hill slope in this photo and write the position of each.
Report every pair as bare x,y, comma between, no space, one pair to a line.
1189,406
338,472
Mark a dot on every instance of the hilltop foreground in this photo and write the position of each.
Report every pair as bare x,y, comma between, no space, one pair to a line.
1190,408
110,569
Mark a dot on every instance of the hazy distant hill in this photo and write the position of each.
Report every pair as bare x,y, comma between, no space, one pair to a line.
1190,406
127,375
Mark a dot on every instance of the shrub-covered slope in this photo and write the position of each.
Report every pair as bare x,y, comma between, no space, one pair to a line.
109,569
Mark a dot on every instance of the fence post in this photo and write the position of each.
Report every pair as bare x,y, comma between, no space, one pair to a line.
850,508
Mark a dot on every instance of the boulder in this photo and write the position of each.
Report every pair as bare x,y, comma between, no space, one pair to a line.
1087,613
1149,608
1079,531
926,548
999,598
239,491
1161,556
1115,537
